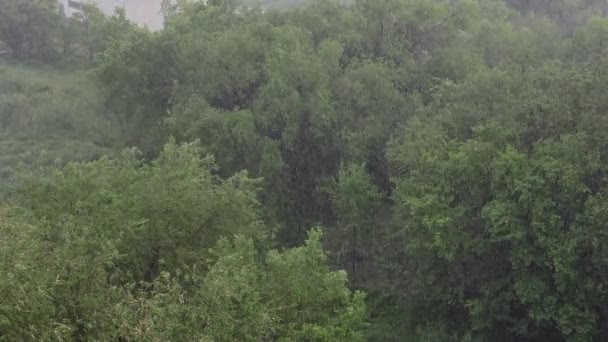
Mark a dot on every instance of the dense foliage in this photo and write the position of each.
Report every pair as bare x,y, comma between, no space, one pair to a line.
120,249
454,153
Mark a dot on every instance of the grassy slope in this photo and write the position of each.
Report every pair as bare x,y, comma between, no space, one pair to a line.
49,116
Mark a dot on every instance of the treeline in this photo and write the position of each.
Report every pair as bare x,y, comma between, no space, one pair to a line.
453,152
276,4
38,31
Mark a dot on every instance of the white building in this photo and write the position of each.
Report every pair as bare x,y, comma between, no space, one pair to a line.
142,12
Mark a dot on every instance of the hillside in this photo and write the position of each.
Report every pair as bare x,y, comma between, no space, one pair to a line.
49,116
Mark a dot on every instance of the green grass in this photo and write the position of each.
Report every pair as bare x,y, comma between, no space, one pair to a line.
50,116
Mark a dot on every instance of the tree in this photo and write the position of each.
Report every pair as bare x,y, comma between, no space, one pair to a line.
492,199
30,28
138,94
166,214
68,290
290,295
358,203
303,125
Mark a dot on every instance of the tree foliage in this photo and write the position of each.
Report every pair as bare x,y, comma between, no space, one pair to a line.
118,249
28,27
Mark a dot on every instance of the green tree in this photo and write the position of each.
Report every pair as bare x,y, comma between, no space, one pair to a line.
137,75
492,196
165,215
304,124
358,203
285,296
30,28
